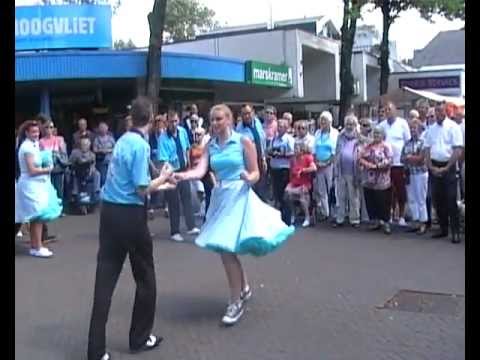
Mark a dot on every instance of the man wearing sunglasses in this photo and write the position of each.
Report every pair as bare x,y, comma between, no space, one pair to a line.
252,128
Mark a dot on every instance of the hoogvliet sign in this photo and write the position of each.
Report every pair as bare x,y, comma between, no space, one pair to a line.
259,73
63,27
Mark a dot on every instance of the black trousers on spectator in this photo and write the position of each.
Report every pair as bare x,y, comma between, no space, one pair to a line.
123,230
429,199
280,178
444,196
378,203
182,193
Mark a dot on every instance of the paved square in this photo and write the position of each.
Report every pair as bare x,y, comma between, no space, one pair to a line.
316,298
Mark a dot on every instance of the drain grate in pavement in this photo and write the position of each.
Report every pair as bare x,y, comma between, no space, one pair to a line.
424,302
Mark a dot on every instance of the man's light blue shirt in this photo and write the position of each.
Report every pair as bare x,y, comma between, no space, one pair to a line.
167,149
247,132
128,170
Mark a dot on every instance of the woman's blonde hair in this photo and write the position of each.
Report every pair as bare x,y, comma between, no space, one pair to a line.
223,108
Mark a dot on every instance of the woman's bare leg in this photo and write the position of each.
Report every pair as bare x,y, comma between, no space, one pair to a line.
36,235
306,208
234,272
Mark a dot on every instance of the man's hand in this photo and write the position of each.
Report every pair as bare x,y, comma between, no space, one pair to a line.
166,171
48,169
435,171
442,170
177,177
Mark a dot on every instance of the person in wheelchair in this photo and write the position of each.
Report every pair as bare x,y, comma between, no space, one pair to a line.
302,167
86,178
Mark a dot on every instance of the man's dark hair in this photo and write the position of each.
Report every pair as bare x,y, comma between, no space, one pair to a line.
141,111
248,105
172,112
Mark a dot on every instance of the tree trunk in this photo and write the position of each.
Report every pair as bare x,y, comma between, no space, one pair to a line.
156,21
384,48
346,76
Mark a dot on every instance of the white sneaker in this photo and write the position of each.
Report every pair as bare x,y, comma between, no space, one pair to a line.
177,237
402,222
194,231
306,223
20,234
43,252
234,313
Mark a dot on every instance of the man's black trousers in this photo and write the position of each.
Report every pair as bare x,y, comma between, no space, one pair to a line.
123,231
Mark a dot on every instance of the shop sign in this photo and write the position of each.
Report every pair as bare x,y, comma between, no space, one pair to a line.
259,73
63,27
434,82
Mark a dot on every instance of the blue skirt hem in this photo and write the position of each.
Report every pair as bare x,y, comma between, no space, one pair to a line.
256,246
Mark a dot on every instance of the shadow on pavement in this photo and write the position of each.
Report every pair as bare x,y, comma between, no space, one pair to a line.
182,308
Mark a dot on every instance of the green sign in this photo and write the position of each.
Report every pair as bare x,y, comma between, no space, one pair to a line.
259,73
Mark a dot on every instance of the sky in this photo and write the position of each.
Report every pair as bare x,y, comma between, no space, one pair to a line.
409,31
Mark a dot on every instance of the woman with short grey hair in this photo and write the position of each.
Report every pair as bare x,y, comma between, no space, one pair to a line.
324,152
376,159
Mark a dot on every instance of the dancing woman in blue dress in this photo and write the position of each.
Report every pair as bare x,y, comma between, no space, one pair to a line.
36,200
237,221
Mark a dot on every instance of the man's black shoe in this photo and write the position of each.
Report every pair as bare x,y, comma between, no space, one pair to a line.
456,239
107,356
152,342
439,235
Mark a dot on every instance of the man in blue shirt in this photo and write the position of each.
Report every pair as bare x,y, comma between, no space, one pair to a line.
173,147
124,230
252,128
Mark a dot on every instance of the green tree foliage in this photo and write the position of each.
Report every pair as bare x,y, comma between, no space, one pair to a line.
186,18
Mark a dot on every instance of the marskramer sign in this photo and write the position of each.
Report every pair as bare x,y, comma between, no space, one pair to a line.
63,27
259,73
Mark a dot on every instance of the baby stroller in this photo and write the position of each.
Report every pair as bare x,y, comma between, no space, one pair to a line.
86,198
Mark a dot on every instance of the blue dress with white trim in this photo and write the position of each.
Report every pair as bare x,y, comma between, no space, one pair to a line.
35,197
237,221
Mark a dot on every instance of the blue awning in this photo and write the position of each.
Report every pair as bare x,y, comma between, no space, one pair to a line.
107,64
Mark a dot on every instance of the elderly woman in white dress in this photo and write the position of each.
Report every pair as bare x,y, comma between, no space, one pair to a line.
36,200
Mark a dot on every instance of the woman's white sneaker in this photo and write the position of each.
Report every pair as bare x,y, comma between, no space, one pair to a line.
194,231
43,252
306,223
234,312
